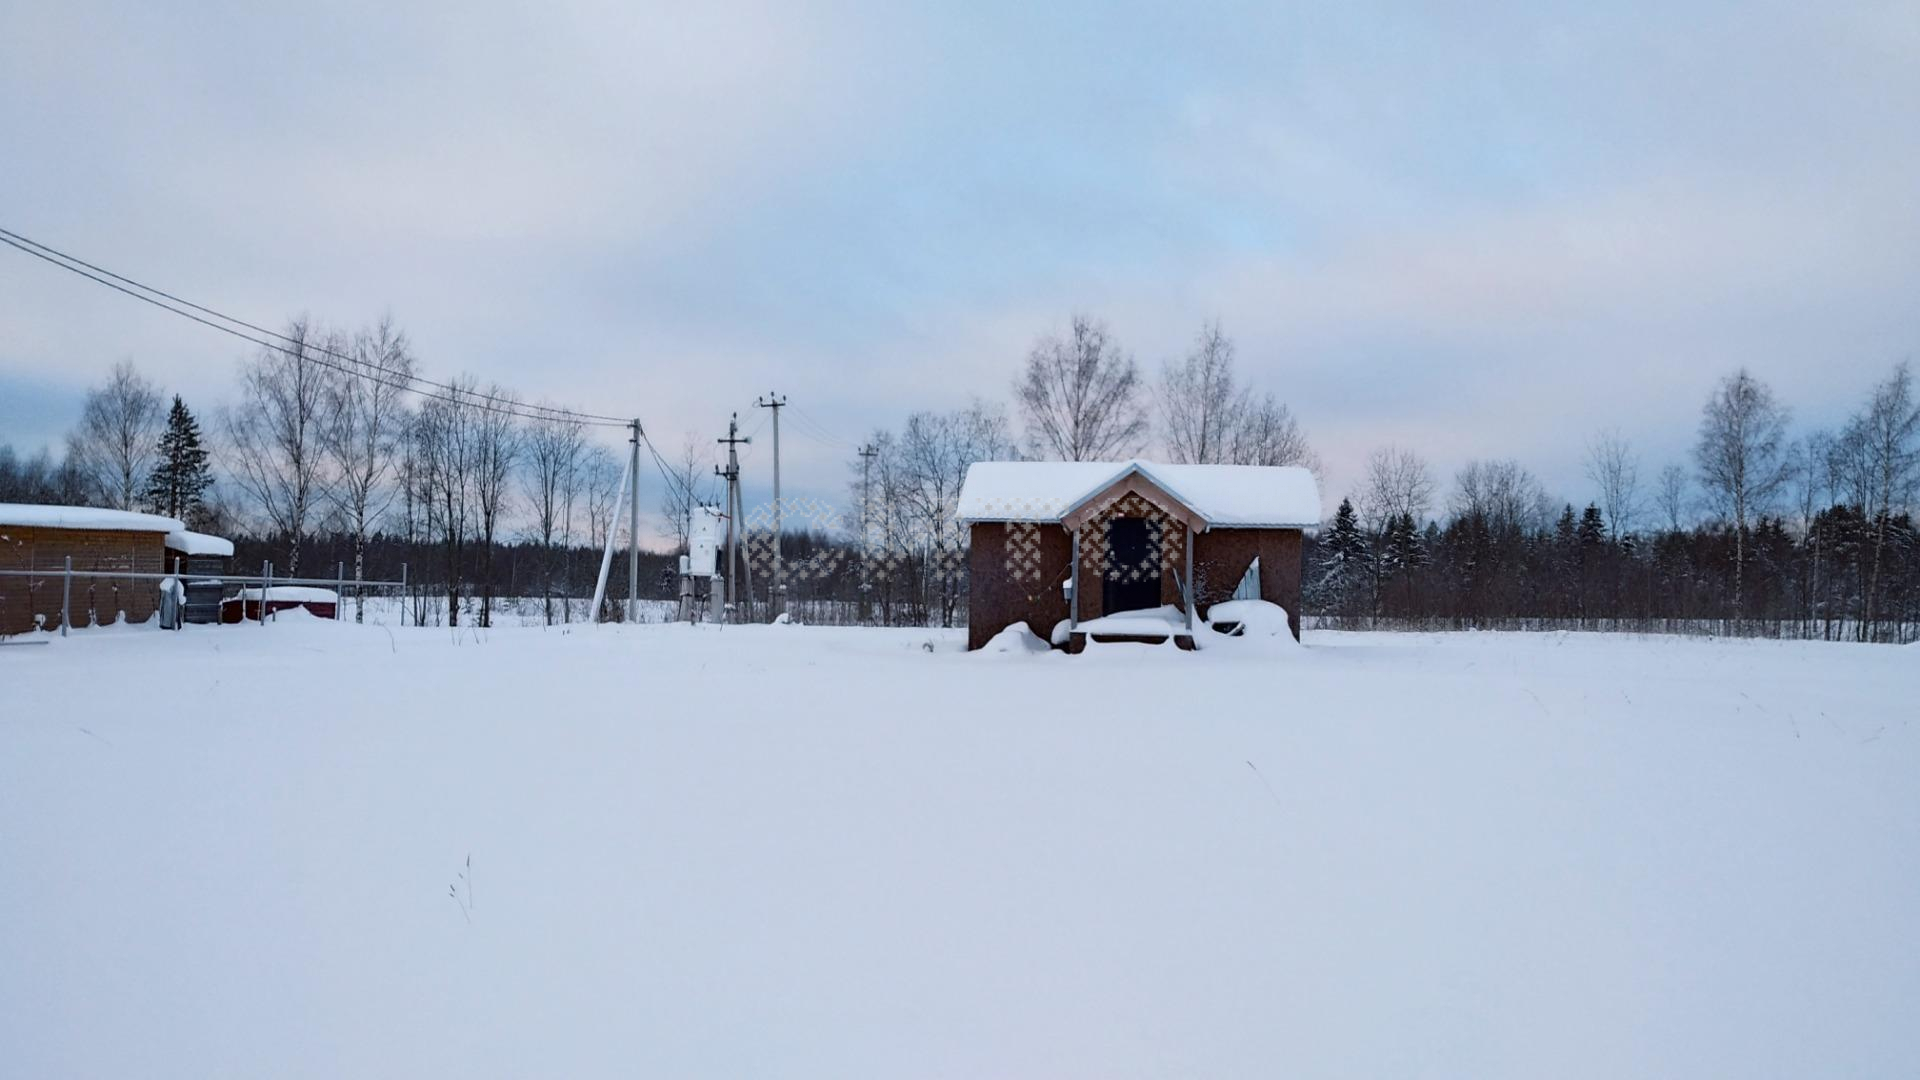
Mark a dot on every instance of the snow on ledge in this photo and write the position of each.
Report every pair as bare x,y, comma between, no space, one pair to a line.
1163,621
187,542
30,516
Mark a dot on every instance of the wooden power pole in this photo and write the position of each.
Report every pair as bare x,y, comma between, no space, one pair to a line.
731,473
778,603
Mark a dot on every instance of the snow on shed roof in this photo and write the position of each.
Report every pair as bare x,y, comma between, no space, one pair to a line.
31,516
294,594
1230,496
187,542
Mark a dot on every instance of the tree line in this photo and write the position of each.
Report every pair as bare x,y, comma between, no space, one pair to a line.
1758,532
1763,534
315,451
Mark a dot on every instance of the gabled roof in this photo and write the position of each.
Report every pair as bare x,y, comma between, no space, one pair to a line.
34,516
1225,496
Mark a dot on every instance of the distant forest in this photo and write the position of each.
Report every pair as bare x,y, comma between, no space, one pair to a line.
336,459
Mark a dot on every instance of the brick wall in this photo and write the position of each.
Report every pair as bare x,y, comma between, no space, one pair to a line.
1015,573
46,551
1221,558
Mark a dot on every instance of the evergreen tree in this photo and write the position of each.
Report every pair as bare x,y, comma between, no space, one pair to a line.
1565,530
1347,556
1401,550
178,484
1593,527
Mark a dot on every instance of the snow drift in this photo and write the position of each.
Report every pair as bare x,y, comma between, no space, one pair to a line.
1016,639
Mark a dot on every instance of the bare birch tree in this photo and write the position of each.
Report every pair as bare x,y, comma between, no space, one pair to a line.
1671,496
1208,418
1397,483
496,449
1267,434
118,437
685,471
1615,469
1503,494
1884,441
444,451
369,420
1742,459
935,451
1080,397
277,430
554,449
1812,474
600,482
1200,403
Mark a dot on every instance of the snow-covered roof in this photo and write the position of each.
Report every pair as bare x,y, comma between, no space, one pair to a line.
1228,496
31,516
187,542
297,594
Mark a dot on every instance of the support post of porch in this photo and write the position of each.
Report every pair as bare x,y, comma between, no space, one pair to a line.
1193,591
1073,577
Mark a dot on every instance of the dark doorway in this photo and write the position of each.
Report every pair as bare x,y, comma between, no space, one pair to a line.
1133,574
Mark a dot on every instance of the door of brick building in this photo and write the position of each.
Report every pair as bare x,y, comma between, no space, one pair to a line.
1132,580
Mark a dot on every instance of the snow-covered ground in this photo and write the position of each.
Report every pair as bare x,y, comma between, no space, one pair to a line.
790,851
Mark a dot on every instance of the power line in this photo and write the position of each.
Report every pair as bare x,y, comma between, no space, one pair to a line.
353,366
667,472
368,370
817,430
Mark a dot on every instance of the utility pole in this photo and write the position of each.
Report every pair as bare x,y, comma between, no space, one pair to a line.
776,403
867,454
731,473
633,526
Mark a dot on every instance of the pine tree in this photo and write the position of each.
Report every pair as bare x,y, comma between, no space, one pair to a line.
1404,551
178,485
1347,556
1593,527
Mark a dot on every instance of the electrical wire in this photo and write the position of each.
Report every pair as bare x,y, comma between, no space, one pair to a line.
684,490
818,431
348,365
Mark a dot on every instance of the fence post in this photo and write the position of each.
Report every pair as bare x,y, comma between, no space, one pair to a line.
266,582
66,598
339,589
403,594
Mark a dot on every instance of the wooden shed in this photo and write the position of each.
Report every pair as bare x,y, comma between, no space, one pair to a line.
41,539
1132,550
200,559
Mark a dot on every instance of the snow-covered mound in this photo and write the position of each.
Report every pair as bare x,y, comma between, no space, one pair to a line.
1162,622
1017,639
1256,623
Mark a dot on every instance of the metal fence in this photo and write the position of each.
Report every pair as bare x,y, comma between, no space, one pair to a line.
265,580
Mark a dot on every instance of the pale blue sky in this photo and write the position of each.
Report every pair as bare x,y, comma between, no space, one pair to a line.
1474,229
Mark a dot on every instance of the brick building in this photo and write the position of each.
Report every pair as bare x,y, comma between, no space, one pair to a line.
1148,536
42,538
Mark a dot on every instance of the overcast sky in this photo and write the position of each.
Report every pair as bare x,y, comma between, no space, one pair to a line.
1479,230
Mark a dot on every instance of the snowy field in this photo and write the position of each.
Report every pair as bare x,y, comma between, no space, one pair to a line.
800,852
